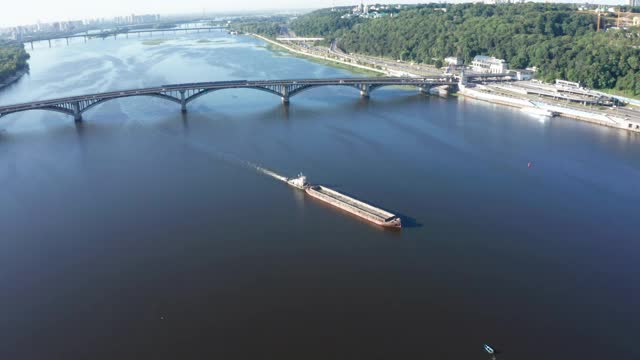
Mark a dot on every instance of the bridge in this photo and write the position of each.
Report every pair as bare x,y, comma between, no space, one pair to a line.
124,32
183,94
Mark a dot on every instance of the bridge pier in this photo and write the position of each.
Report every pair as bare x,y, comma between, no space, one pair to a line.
425,89
285,94
49,42
365,90
32,45
67,41
77,115
183,102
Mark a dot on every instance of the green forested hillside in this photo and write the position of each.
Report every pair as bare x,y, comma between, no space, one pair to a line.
268,26
13,58
556,38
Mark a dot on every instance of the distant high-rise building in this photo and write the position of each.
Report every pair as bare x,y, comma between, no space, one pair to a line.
634,3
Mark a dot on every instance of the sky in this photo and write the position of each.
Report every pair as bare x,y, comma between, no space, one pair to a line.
22,12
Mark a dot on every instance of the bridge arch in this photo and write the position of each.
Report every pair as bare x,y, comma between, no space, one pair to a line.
358,87
207,91
309,87
102,101
46,108
417,86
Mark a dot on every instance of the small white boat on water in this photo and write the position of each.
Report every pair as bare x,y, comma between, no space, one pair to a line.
538,111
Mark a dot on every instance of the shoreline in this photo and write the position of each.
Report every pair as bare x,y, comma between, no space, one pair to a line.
14,78
594,117
598,118
290,49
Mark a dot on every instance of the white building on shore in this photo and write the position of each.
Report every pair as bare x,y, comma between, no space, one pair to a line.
453,61
489,65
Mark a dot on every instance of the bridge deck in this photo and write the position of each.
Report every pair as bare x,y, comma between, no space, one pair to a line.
185,93
141,31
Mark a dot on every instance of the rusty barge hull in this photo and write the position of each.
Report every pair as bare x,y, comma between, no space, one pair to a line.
356,207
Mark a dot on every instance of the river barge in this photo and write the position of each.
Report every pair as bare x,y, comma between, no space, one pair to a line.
356,207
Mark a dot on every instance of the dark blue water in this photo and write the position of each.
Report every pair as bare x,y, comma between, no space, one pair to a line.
141,234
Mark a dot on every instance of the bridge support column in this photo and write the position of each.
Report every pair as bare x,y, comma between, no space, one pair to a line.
183,102
285,94
67,41
77,115
32,45
49,42
364,90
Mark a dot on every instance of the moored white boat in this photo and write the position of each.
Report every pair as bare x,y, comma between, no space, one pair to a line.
538,111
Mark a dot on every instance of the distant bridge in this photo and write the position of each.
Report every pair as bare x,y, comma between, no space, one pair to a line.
124,32
183,94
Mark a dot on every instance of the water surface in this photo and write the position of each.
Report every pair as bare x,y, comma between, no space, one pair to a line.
140,234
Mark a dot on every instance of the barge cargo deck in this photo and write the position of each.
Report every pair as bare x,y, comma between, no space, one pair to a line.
347,203
356,207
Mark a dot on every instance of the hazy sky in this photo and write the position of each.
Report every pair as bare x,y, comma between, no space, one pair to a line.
16,12
19,12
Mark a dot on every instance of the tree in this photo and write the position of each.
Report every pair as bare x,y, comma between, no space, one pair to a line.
13,58
557,39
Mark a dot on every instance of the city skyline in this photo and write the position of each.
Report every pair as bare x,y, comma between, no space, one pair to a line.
32,12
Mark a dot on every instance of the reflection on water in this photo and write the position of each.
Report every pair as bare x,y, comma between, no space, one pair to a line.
145,231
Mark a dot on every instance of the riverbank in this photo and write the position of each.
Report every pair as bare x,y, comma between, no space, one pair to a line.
320,57
12,79
623,121
628,121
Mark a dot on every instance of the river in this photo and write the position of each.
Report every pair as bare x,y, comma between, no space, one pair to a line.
139,233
